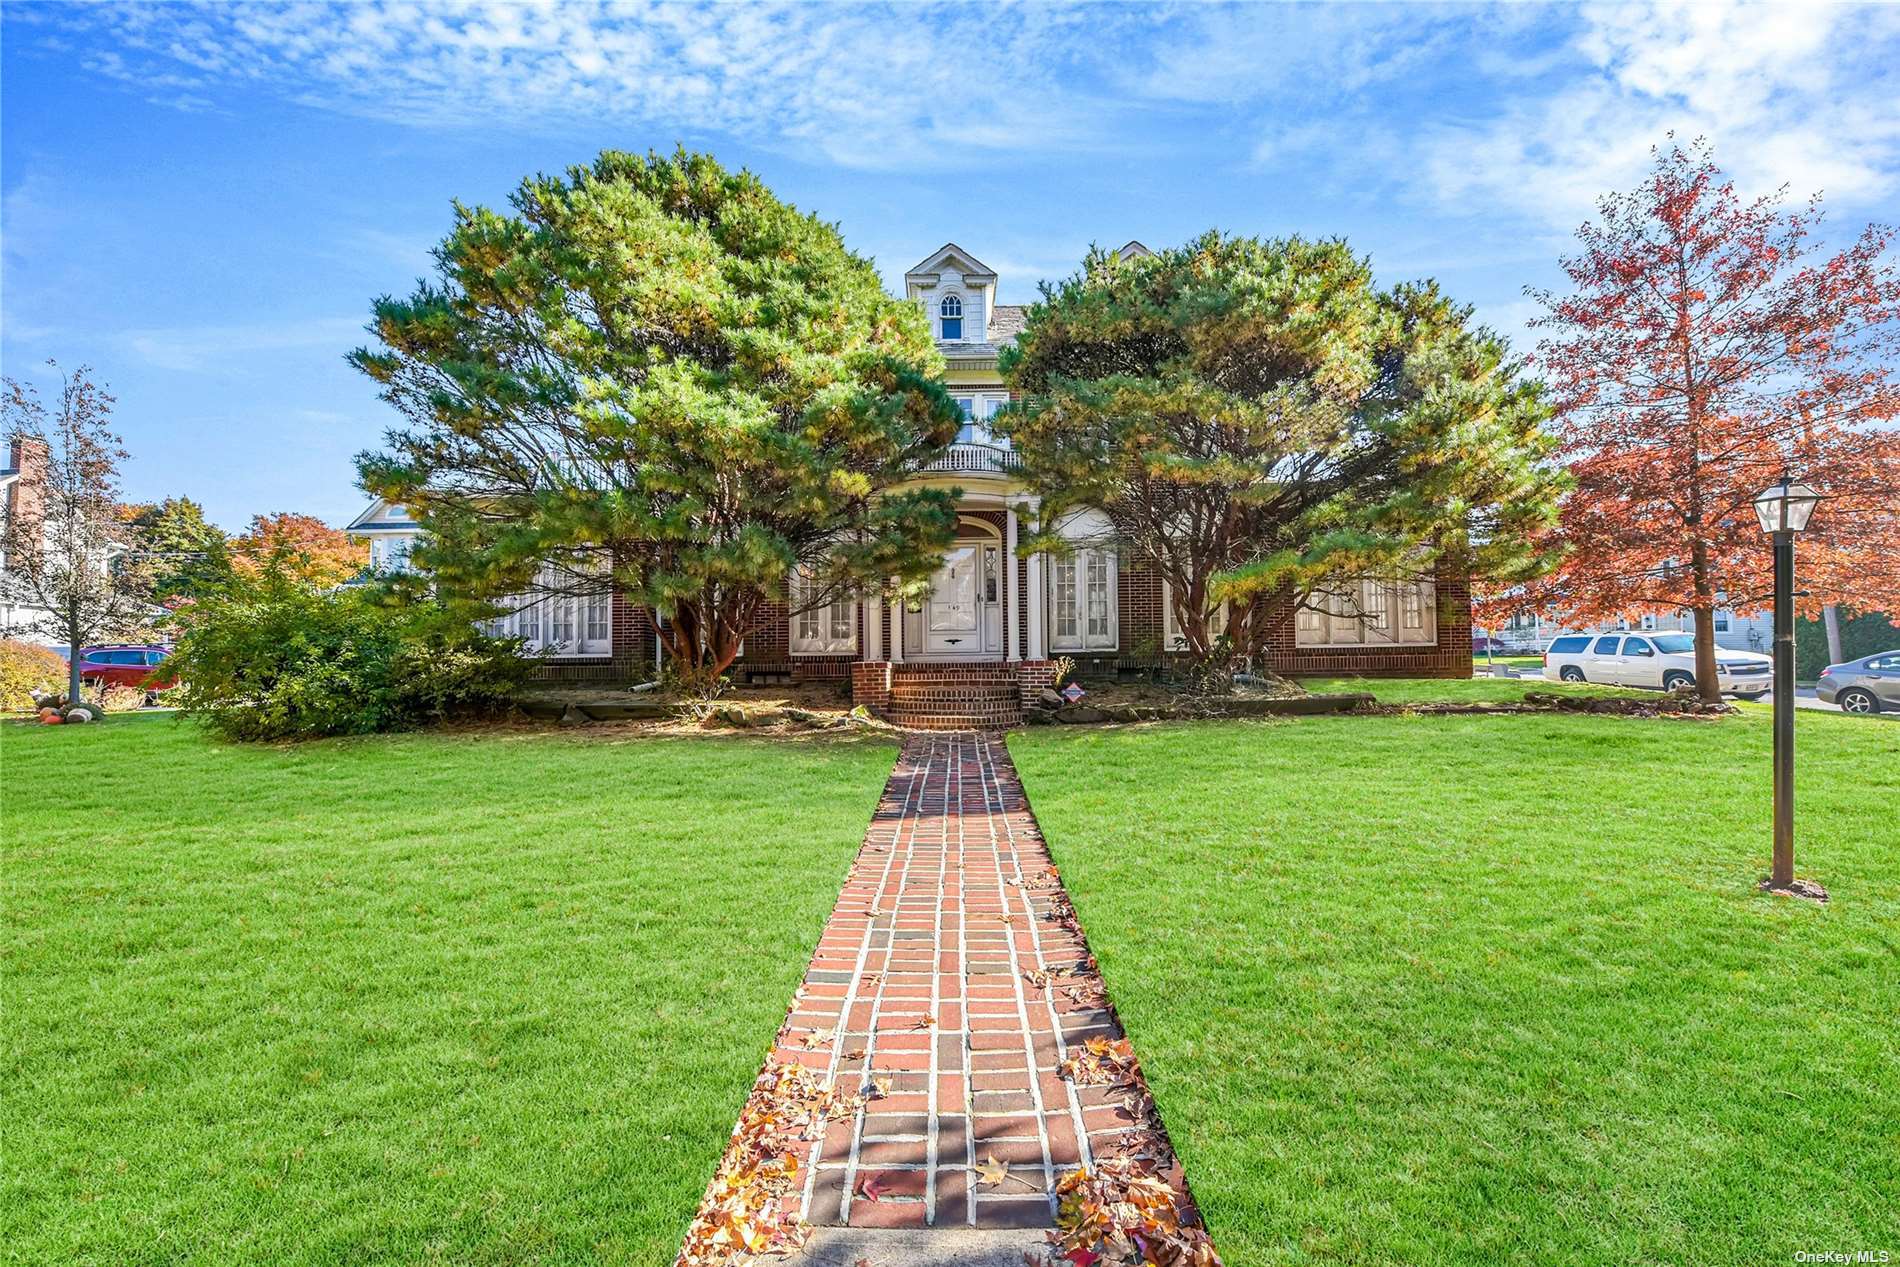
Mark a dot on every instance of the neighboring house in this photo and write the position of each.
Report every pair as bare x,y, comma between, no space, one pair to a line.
1734,631
990,617
20,482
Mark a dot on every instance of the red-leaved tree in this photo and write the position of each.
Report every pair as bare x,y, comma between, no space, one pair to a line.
306,547
1710,345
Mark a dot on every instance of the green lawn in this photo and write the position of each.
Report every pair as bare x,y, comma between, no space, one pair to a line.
430,998
1461,690
1399,1010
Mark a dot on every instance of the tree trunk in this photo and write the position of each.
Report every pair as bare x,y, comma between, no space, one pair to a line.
1708,684
72,656
1831,618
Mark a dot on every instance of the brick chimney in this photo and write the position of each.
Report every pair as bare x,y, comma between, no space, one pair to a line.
28,455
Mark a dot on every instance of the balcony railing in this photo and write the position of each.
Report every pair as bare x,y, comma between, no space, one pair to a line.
977,459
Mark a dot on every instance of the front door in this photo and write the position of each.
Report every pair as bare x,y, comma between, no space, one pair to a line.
963,617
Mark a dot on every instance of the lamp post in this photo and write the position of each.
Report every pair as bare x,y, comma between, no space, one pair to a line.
1783,509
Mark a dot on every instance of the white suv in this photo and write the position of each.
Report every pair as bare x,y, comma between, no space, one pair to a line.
1661,661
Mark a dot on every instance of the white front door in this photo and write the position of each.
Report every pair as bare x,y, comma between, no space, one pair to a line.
962,619
952,623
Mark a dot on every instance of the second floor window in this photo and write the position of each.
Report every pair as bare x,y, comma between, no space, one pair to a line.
951,313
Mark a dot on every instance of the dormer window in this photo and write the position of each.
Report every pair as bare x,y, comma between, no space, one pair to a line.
950,312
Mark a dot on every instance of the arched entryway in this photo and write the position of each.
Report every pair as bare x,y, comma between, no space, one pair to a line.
962,617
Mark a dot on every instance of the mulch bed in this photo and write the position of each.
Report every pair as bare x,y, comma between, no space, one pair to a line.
1670,706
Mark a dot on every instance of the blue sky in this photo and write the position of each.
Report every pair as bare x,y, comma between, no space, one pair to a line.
202,202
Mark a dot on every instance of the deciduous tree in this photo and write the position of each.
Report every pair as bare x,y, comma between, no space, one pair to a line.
1255,415
190,556
69,548
657,376
302,547
1708,345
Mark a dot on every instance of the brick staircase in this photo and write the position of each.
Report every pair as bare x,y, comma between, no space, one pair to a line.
955,696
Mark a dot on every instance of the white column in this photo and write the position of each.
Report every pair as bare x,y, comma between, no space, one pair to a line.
1036,602
897,631
1012,604
873,630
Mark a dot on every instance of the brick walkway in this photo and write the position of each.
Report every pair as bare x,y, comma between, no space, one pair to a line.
939,980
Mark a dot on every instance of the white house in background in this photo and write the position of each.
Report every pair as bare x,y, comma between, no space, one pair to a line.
1734,631
19,484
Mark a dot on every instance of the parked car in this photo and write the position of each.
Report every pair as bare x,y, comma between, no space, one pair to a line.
1661,661
126,664
1870,684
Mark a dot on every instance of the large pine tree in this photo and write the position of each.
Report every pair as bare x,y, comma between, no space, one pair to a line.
1256,415
656,375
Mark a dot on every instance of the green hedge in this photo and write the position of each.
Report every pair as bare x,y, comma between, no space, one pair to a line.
269,658
1862,634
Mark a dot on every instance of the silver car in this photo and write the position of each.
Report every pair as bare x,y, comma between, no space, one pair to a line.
1870,684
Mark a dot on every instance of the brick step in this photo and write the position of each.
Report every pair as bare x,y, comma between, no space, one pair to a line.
954,721
961,690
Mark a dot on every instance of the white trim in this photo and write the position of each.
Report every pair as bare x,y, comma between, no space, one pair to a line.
539,621
1082,566
822,641
1172,638
1382,613
1012,602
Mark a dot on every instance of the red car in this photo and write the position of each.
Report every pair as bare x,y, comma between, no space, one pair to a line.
125,664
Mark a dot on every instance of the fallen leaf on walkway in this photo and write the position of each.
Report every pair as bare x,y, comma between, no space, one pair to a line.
880,1089
926,1021
870,1189
990,1171
816,1039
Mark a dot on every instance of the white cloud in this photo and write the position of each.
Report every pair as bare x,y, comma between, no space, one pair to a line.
192,349
864,86
1797,94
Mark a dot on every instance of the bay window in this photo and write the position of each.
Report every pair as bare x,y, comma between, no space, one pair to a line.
558,624
1369,612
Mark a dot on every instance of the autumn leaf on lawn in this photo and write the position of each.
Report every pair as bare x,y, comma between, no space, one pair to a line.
990,1171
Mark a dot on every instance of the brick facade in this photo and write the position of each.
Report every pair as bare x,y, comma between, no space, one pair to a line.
1142,614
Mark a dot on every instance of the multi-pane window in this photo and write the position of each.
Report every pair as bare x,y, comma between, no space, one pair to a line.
1215,622
950,314
558,624
1082,601
828,630
1369,612
390,553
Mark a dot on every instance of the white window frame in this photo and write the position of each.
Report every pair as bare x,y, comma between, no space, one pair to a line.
1173,639
1380,612
944,314
559,626
1078,565
389,551
816,632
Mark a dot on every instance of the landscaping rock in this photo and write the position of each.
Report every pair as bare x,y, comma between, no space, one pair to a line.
1079,715
1052,698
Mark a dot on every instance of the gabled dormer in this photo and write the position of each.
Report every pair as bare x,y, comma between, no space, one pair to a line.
957,292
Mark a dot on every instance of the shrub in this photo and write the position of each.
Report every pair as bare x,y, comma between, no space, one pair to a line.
267,657
27,670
